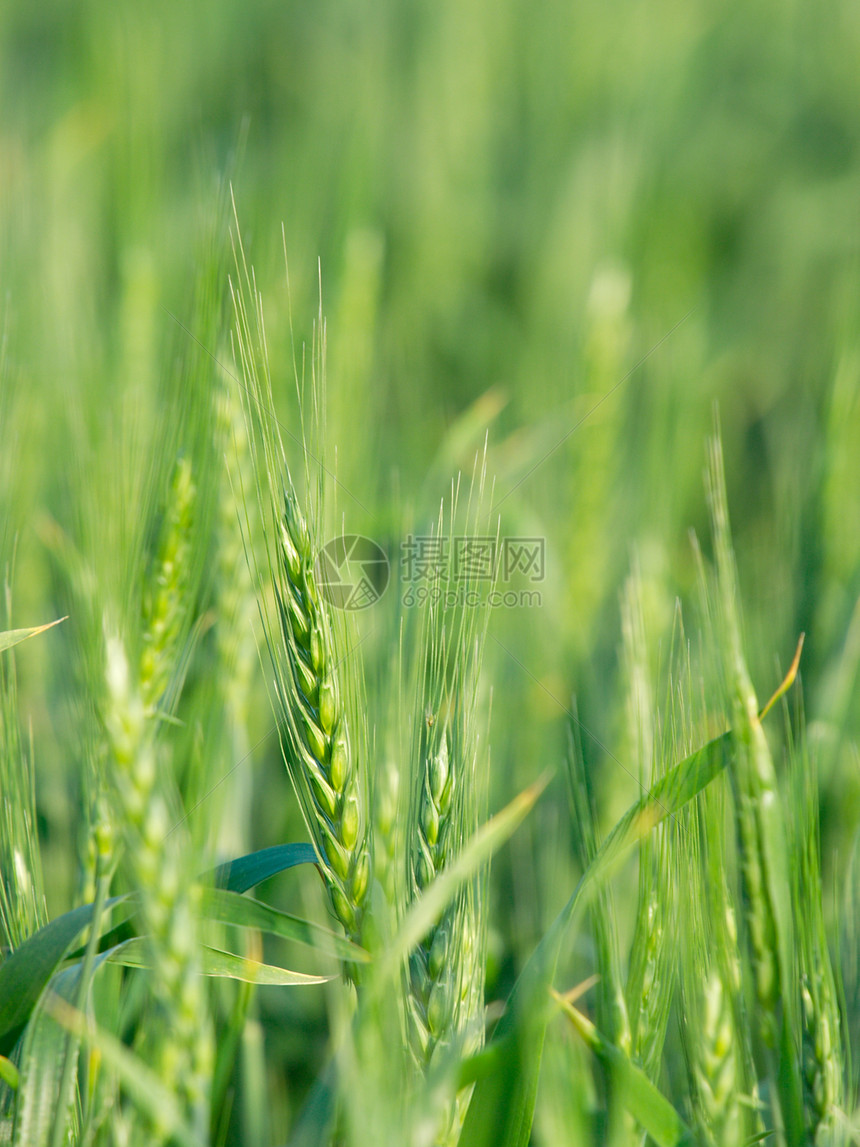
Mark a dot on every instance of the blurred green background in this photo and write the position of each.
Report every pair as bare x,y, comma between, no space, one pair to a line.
516,207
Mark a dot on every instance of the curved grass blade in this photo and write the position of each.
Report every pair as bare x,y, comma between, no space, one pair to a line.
123,930
502,1107
41,1101
214,962
25,974
10,637
40,1081
236,877
233,908
247,871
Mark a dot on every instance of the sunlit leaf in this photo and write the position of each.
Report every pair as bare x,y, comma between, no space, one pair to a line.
213,962
10,637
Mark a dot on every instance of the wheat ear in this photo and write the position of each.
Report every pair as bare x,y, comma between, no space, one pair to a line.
321,744
165,605
168,908
445,982
318,750
433,994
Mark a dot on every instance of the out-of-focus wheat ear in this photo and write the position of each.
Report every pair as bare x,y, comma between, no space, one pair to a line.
165,597
716,1080
235,608
168,901
639,700
387,829
236,602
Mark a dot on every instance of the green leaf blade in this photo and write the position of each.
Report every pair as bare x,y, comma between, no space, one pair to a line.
240,911
214,962
26,973
247,871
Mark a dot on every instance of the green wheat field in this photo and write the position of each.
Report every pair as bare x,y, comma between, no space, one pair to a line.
429,574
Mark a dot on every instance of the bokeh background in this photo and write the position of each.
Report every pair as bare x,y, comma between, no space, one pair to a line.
580,221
